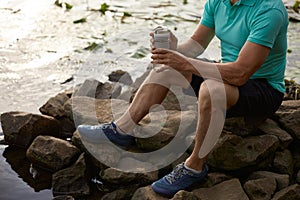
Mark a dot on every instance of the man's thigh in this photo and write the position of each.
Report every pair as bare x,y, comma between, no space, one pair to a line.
256,98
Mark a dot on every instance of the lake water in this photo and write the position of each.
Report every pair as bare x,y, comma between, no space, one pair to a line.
41,48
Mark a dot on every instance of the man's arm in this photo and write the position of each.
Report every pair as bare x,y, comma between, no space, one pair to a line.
250,58
236,73
198,42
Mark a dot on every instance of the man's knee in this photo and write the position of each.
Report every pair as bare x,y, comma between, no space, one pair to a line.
168,78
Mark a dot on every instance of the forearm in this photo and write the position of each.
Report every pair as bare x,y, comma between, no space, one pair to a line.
229,73
190,48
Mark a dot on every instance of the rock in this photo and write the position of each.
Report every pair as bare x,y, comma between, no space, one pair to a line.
52,153
94,111
289,193
230,189
95,89
55,106
214,178
282,180
63,197
298,176
21,128
113,176
120,76
260,189
283,162
238,126
146,193
271,127
162,126
183,195
236,153
71,180
118,194
289,117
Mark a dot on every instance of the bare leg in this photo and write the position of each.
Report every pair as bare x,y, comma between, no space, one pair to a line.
205,111
153,91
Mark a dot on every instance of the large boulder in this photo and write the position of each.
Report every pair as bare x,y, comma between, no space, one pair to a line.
230,189
72,180
21,128
146,193
282,180
289,193
236,153
289,117
52,153
92,111
260,189
55,106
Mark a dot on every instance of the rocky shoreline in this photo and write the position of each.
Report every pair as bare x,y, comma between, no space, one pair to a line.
250,161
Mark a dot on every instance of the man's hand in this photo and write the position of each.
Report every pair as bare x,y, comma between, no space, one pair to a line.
171,59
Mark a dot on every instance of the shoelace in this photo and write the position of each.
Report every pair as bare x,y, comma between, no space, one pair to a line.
109,126
177,173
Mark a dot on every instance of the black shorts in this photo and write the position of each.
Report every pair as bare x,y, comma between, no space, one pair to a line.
257,98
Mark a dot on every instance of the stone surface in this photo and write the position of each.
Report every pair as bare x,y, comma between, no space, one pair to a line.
120,76
289,117
52,153
238,126
63,197
72,180
260,189
184,195
96,89
282,180
92,111
118,194
298,177
230,189
272,128
289,193
160,128
21,128
235,153
55,106
146,193
283,162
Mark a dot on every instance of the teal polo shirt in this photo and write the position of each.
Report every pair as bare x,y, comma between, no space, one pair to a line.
263,22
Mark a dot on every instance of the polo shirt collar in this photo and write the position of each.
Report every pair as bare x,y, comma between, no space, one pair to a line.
243,2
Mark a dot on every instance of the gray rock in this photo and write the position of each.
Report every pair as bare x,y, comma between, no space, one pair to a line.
63,197
260,189
146,193
52,153
298,176
55,106
118,194
111,156
283,162
289,117
121,77
95,89
21,128
162,126
183,195
114,176
282,180
289,193
238,126
88,110
271,127
230,189
215,178
72,180
236,153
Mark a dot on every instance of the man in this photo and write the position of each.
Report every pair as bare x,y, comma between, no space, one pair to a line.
251,77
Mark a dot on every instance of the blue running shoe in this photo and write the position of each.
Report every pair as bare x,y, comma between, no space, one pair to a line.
179,179
98,134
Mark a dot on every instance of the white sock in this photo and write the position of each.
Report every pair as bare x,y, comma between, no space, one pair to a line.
118,129
192,170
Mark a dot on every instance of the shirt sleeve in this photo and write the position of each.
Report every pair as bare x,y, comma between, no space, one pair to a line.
265,27
208,15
